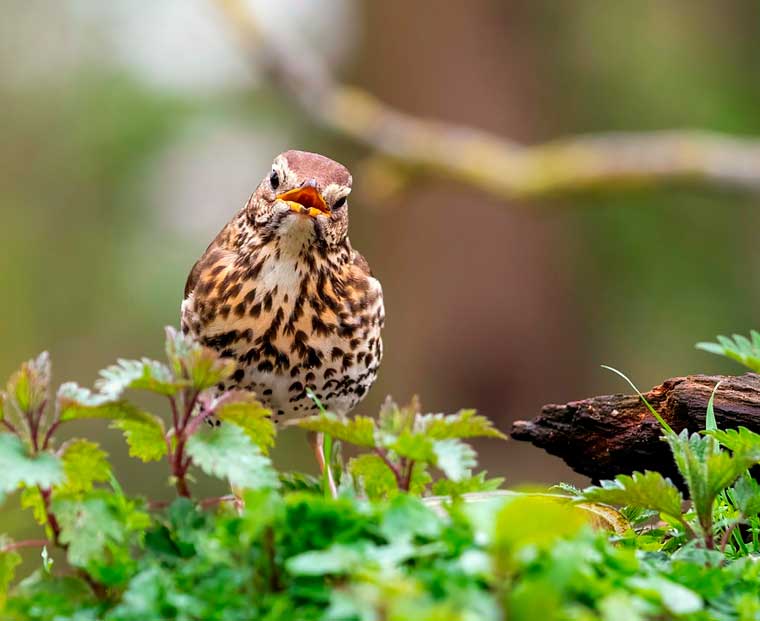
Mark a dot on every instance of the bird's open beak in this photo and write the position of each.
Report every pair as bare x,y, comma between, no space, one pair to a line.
306,200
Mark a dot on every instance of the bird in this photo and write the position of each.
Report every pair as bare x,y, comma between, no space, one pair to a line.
282,292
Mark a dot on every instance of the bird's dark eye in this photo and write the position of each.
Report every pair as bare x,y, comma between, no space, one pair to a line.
339,203
274,179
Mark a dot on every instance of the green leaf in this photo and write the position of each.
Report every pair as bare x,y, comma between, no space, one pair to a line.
675,598
649,490
739,441
373,475
142,374
75,402
358,430
84,463
467,485
31,498
455,458
8,563
738,348
394,419
414,446
710,422
463,424
86,527
244,410
28,387
746,493
228,453
144,434
706,469
200,366
19,467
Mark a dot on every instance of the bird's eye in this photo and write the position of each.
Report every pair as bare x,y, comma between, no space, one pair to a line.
339,203
274,179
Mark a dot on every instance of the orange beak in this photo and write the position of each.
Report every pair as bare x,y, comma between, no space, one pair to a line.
306,200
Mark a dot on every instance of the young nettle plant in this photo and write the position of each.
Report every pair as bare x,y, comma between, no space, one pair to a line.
404,444
60,484
234,451
717,480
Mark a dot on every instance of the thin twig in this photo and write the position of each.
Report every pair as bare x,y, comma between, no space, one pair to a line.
10,426
27,543
504,168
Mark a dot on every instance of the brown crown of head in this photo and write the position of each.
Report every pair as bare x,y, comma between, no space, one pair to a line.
307,186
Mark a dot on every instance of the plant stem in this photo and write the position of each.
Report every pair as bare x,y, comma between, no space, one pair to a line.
10,427
27,543
383,454
51,519
727,536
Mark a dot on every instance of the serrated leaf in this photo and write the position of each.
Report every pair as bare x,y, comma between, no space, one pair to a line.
86,527
747,495
201,366
84,463
740,440
739,348
228,453
75,402
145,435
648,489
414,446
467,485
18,467
31,498
373,475
28,387
244,410
142,374
455,458
8,563
393,419
359,430
463,424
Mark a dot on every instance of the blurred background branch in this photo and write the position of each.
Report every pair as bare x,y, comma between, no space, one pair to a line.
403,147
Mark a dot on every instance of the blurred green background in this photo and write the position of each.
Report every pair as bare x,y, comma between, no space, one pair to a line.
133,131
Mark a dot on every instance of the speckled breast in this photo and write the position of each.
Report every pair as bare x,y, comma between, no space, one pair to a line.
293,325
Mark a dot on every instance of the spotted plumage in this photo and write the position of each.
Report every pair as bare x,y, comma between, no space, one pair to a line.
282,292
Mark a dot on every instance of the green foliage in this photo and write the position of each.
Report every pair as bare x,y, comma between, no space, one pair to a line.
382,548
649,490
228,453
745,351
245,411
405,443
142,374
144,434
19,467
84,464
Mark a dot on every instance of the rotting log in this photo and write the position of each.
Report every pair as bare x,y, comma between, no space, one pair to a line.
604,436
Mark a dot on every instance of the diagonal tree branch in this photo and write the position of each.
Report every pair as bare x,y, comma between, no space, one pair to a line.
411,146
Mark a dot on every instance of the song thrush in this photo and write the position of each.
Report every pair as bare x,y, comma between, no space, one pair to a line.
282,292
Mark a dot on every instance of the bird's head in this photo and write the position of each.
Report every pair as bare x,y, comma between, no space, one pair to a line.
304,196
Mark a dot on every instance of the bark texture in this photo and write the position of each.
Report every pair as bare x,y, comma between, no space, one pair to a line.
604,436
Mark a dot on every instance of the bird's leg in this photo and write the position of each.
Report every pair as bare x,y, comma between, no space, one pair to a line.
317,442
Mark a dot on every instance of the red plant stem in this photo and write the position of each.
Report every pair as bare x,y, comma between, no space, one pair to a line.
10,427
51,519
50,432
27,543
727,536
383,454
406,481
175,416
